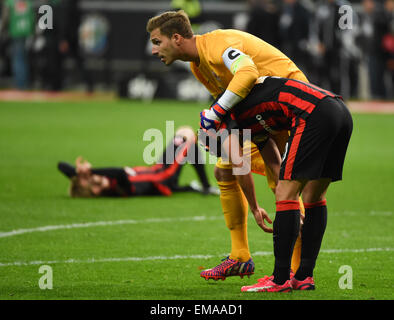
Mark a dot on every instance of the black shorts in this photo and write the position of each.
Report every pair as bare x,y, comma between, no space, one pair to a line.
317,146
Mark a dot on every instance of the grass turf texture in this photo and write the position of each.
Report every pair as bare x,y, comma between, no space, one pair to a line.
35,136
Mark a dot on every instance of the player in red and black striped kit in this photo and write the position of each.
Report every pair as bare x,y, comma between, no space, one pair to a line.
320,127
159,179
278,104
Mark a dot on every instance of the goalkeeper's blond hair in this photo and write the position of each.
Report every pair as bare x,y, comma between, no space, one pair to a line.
171,22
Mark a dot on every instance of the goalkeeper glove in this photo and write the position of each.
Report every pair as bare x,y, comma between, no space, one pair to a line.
209,120
219,110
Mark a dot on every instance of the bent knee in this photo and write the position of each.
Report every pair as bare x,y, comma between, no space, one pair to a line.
288,190
313,198
223,174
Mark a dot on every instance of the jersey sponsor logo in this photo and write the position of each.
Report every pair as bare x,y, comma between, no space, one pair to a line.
260,119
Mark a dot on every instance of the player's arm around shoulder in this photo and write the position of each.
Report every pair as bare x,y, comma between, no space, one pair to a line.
245,75
243,69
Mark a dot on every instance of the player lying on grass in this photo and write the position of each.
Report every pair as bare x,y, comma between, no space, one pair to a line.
320,128
159,179
227,63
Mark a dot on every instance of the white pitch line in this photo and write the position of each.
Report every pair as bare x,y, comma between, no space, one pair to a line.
104,223
176,257
12,233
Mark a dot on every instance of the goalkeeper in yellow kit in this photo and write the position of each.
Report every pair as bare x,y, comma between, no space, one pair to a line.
228,63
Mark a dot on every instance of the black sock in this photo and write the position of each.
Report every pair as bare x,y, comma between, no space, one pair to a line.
312,235
286,230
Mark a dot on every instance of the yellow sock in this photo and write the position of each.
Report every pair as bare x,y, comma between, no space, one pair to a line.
235,210
296,257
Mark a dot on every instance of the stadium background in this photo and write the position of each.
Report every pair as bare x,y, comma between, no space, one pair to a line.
99,103
114,51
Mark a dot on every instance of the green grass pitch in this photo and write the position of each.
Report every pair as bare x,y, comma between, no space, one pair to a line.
153,248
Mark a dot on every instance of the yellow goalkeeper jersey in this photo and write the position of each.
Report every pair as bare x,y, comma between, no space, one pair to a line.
233,60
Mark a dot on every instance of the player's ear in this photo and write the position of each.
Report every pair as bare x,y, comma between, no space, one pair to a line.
177,38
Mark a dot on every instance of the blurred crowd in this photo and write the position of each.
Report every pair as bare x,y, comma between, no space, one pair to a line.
335,43
347,47
36,55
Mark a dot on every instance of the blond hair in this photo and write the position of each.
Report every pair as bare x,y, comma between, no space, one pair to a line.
77,190
171,22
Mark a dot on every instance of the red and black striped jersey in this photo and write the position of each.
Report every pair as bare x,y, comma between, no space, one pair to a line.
144,180
272,105
137,181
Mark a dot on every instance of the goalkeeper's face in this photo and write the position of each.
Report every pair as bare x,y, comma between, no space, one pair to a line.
163,47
